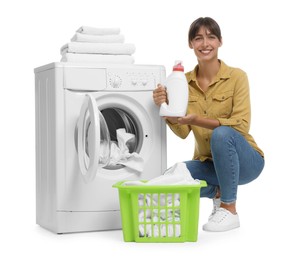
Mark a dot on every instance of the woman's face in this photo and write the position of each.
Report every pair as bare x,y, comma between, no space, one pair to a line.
205,45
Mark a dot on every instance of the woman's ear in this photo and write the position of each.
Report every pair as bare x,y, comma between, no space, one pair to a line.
221,42
190,45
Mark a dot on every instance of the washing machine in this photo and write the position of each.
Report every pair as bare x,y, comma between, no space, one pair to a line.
80,109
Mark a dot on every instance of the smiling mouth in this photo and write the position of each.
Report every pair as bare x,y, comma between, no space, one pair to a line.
205,51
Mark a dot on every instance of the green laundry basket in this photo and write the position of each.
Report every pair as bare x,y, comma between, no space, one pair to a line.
159,213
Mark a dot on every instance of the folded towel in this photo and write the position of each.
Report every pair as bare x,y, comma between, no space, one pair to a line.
97,58
80,37
100,48
98,31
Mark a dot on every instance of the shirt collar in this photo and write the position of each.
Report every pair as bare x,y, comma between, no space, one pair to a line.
223,73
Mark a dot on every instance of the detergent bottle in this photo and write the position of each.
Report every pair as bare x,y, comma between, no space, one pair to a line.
177,93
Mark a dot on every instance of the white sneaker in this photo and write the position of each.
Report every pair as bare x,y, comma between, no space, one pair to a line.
216,206
222,220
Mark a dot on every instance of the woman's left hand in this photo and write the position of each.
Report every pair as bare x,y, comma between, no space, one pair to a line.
188,119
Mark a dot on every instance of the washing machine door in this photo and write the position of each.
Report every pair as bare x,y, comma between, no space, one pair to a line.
93,142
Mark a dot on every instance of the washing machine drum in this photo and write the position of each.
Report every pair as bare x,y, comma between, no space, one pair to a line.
116,118
97,132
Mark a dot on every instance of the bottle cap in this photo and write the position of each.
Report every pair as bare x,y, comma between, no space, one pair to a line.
178,66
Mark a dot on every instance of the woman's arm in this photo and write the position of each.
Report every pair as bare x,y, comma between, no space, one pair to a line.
193,119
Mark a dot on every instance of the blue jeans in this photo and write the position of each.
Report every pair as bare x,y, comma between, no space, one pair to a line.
234,163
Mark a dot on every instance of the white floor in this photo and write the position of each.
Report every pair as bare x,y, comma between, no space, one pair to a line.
261,233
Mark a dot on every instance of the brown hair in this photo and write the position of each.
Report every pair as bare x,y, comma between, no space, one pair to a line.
208,23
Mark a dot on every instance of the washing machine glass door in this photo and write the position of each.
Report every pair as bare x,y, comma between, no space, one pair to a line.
93,142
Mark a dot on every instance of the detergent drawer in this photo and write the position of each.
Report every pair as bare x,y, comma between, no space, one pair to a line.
86,79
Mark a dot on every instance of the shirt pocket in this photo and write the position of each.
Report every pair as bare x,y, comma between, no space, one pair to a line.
192,104
223,104
192,99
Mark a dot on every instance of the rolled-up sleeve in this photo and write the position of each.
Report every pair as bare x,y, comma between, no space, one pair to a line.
180,130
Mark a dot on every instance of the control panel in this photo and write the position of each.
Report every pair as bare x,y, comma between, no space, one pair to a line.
133,79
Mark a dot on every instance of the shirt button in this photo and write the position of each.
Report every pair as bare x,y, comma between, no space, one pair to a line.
204,112
206,139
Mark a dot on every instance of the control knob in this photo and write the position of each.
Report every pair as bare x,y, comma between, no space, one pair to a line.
116,82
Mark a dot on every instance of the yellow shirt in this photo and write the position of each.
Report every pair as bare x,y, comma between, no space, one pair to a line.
227,100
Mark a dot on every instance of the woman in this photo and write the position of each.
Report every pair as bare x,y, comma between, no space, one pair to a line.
218,114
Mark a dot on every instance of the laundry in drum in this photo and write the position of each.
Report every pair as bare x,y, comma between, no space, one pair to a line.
120,152
117,118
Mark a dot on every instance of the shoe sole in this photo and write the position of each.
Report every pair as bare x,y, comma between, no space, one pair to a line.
220,229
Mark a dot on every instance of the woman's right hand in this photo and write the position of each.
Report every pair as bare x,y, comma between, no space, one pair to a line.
160,95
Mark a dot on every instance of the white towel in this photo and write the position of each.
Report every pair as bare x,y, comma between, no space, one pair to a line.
178,174
98,31
100,48
80,37
97,58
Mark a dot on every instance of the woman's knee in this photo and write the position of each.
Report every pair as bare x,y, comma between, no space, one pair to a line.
221,134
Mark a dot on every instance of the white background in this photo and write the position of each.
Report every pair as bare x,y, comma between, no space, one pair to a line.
256,39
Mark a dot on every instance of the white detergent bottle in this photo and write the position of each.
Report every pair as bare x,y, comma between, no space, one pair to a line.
177,93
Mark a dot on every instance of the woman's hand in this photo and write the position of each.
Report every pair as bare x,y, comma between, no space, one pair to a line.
187,120
160,95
